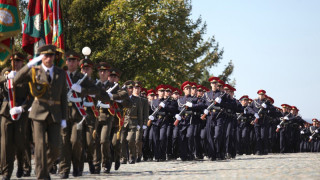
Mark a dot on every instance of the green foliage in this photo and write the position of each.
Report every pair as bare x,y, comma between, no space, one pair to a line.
155,42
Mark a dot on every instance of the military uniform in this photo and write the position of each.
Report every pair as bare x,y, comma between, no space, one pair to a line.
72,137
13,141
133,118
48,110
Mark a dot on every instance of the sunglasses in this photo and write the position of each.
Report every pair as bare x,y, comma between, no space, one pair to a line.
168,90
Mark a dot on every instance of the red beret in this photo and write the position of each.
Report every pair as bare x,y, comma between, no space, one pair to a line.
169,87
161,87
261,92
207,89
270,99
193,84
144,90
186,83
227,86
151,91
284,105
244,97
213,79
250,100
221,82
294,108
200,88
315,120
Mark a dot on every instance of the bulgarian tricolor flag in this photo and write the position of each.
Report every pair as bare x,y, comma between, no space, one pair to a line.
10,26
43,25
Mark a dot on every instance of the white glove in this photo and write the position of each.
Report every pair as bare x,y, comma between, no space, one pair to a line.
278,126
144,127
310,137
11,75
316,131
218,100
110,95
76,87
138,127
264,105
30,109
301,132
151,117
16,110
178,117
286,118
63,123
92,95
256,115
245,112
206,112
34,61
189,104
162,105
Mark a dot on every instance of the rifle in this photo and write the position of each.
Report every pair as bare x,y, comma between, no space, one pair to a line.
241,114
212,106
155,112
70,94
282,121
259,112
183,110
313,134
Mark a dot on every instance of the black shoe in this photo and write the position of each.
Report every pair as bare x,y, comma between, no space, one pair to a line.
19,173
53,170
107,168
132,161
138,159
116,165
64,175
213,159
97,171
26,174
91,168
75,172
228,156
80,173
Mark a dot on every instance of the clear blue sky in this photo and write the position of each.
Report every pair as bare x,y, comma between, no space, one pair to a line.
274,45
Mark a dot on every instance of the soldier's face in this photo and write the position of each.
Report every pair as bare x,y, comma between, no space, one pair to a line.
161,93
48,59
87,69
200,93
187,91
72,64
103,74
193,91
262,96
150,97
214,86
136,90
18,65
244,102
168,93
130,90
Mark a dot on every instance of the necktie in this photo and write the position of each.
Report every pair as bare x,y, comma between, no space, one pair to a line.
48,76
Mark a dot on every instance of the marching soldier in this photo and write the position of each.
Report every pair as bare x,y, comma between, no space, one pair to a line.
49,108
147,135
92,112
13,129
215,120
72,141
261,109
133,119
145,114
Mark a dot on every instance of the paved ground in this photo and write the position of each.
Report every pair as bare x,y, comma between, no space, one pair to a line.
273,166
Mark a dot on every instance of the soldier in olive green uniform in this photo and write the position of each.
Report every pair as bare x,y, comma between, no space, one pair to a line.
13,142
91,118
145,114
49,108
72,136
132,119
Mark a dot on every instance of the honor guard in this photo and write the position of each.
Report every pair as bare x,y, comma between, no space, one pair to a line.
49,108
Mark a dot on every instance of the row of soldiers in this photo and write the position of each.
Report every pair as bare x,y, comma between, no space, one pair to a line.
72,118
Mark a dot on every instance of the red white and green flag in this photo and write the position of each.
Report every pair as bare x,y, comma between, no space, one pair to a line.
43,25
10,26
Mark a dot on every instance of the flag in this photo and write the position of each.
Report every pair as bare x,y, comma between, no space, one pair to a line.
9,19
33,31
10,26
43,25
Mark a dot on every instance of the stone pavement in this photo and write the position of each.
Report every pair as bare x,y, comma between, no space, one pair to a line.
272,166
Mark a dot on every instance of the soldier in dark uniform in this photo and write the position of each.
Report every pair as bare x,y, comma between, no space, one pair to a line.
49,108
13,130
260,108
190,109
296,123
132,119
72,137
215,120
284,128
304,136
314,137
147,135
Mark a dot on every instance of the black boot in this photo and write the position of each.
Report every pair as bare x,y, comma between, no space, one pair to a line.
117,165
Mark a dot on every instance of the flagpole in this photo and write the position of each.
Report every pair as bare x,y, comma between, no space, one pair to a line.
13,69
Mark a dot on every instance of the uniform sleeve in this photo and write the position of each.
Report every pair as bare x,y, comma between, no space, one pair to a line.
24,75
63,98
145,111
140,112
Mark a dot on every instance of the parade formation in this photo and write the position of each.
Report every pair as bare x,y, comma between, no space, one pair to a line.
66,118
61,117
